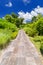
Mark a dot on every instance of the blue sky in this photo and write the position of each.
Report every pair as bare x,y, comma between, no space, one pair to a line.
8,6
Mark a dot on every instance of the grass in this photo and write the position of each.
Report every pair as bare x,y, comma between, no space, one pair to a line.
37,40
6,36
14,34
4,39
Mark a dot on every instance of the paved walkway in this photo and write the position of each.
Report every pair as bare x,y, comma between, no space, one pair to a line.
20,52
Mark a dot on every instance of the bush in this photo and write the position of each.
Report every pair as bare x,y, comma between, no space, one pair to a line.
39,26
41,48
5,36
38,38
35,28
30,31
5,24
36,41
4,39
14,34
7,32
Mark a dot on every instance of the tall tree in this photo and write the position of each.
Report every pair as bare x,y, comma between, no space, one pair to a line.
14,15
19,22
8,17
34,19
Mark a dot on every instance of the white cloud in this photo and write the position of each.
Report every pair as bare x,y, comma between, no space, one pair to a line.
26,1
33,13
21,14
39,9
28,16
8,4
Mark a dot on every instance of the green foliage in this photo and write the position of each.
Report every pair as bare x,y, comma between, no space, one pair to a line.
34,19
30,29
38,42
18,22
40,26
38,39
8,17
14,34
9,27
35,27
35,31
5,24
41,48
8,30
14,15
13,18
4,38
39,16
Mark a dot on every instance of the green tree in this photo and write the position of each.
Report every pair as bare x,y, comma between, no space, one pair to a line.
39,26
41,48
18,22
34,19
14,15
8,17
39,16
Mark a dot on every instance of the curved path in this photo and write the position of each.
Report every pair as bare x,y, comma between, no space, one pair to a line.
20,52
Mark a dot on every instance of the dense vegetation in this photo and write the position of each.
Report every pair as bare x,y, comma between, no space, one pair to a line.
34,29
9,26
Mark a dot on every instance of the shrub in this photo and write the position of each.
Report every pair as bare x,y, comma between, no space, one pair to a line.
41,48
36,41
4,39
38,38
5,24
14,34
5,36
30,31
39,26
